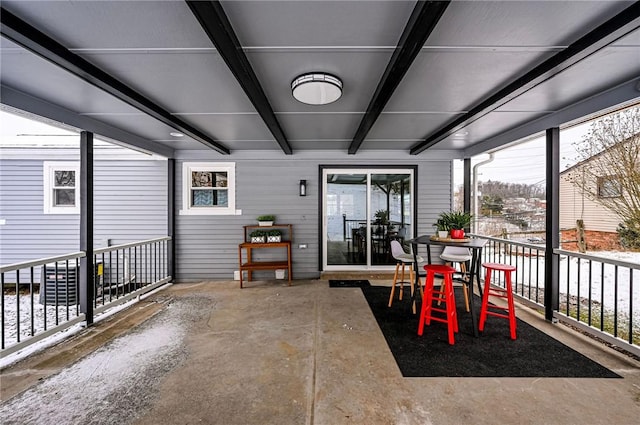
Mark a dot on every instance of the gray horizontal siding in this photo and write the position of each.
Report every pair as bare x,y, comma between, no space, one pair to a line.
130,204
29,233
434,196
130,201
207,246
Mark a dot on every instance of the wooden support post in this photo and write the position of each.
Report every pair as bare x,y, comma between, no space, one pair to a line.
505,235
582,243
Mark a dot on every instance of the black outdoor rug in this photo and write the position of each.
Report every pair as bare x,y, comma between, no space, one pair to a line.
493,354
349,283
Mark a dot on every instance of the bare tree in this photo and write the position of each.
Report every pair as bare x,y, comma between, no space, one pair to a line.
609,168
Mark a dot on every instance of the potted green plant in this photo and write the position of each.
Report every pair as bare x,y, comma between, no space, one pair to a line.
274,235
381,220
258,236
442,227
266,220
381,217
457,221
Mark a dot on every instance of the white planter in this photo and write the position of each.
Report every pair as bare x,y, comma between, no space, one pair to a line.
274,238
442,234
257,239
236,275
265,223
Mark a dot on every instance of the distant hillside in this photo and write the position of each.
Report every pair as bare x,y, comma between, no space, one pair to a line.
511,190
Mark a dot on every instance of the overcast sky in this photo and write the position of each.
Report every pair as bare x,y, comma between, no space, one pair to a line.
16,129
525,163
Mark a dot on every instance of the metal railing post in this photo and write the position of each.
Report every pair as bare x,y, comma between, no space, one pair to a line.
86,226
171,218
467,187
552,260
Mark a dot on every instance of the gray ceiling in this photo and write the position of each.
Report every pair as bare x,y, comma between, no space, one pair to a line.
160,50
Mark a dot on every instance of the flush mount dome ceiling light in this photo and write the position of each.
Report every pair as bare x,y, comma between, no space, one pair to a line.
316,88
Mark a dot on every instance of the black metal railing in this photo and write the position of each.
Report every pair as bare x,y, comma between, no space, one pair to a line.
598,295
528,279
124,269
28,312
42,297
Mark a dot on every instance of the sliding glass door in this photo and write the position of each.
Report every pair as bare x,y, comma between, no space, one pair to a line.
363,211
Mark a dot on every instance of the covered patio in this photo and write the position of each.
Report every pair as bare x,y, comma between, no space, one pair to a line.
274,354
214,88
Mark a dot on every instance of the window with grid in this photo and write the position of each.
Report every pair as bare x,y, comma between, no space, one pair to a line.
61,187
208,188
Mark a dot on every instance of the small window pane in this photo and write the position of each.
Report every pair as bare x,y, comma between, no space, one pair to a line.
221,179
202,198
64,197
202,179
65,178
222,198
608,187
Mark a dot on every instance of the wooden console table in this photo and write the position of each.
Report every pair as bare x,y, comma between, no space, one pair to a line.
250,265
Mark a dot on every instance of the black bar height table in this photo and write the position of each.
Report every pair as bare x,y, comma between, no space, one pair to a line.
475,245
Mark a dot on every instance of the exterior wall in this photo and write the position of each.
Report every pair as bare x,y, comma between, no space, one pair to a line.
207,246
596,241
130,201
130,204
573,206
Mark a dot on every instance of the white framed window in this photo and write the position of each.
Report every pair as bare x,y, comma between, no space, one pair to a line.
208,188
61,182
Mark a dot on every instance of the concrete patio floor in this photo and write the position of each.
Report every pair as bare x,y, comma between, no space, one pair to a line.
211,353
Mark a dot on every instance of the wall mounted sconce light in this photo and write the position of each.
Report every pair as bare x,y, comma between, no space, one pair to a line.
303,188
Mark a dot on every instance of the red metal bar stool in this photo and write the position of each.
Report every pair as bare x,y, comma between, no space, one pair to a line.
500,293
443,295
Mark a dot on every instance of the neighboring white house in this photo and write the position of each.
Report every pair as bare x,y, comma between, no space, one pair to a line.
575,206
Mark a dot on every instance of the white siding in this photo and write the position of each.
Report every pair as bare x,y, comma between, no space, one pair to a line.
574,206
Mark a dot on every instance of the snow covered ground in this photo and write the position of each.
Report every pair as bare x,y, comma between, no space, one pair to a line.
10,316
616,288
111,376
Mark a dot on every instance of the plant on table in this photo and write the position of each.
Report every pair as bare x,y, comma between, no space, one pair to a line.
258,236
382,221
274,235
442,228
266,220
456,221
381,217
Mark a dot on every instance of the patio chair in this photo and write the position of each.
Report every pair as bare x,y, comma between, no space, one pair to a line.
402,258
454,254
